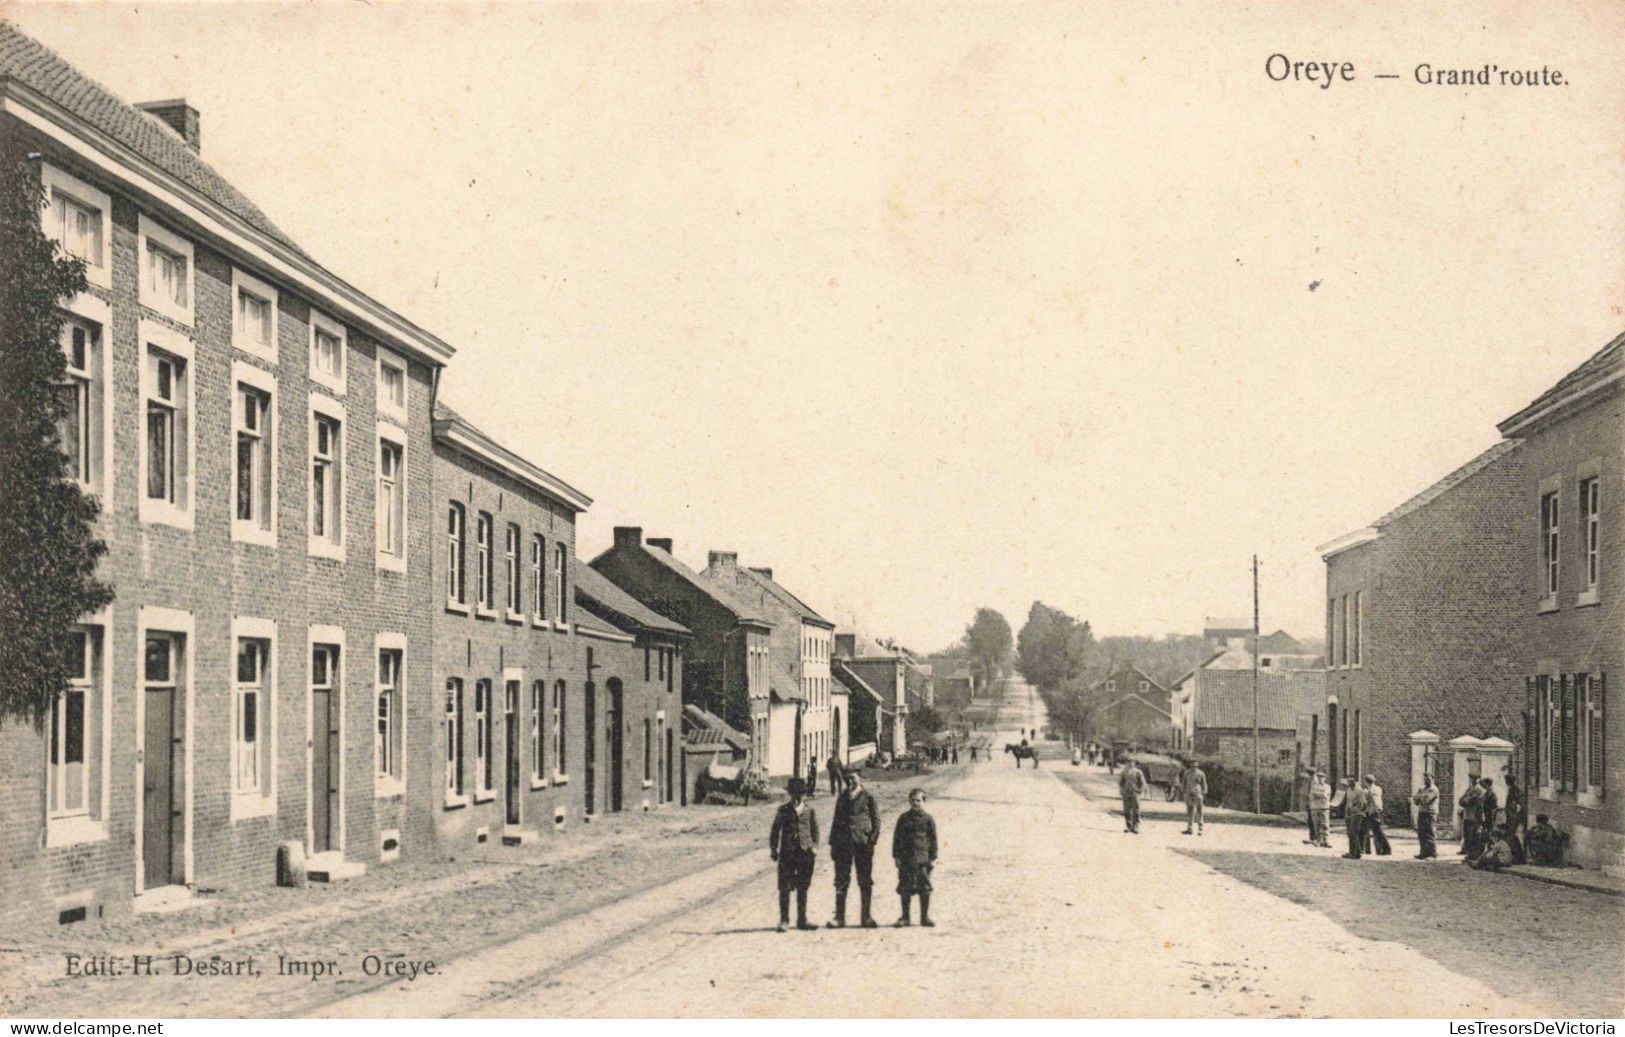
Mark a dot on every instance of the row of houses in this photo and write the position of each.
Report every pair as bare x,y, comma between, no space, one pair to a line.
348,625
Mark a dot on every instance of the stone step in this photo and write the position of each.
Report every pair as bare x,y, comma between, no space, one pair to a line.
332,867
515,835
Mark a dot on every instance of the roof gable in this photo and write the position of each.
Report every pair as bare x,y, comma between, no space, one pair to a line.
1604,366
792,602
594,588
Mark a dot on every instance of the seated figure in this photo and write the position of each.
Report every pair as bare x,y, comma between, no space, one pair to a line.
1545,843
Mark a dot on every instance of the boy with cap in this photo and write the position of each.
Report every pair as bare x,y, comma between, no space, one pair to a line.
914,848
793,842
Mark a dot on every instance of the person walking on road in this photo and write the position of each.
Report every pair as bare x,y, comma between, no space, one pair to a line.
1320,810
914,849
1131,783
1194,782
853,832
1354,808
794,844
1374,835
1427,808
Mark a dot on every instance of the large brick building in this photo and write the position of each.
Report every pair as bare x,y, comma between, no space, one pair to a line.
1568,595
1133,708
1421,632
258,434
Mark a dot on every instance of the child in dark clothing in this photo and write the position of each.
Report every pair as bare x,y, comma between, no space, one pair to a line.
914,848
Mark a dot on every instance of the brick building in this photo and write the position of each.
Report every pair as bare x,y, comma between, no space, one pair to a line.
1133,708
1568,603
883,675
558,691
258,434
1221,717
727,667
801,645
1421,628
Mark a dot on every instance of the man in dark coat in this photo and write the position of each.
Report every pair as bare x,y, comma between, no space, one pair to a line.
812,777
914,849
1472,814
1130,784
1488,807
837,773
794,844
852,837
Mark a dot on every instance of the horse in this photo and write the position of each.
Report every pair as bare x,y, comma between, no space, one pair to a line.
1022,752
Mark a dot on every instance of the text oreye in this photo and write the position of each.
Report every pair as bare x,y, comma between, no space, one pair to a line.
1282,69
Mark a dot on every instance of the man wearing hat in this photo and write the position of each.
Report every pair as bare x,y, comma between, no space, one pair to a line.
1374,835
1354,809
793,842
1131,783
1427,808
852,837
1320,809
1194,782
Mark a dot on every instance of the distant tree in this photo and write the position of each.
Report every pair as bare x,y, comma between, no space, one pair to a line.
47,524
925,721
1054,649
988,641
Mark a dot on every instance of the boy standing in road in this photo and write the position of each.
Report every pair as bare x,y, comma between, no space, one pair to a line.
1131,783
794,844
852,837
914,848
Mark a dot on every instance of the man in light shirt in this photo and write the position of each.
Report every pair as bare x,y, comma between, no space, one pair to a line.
1427,808
1374,834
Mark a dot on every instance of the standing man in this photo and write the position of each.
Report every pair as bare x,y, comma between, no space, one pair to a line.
1131,783
1194,782
852,837
1373,818
1320,810
812,776
1517,806
837,774
1472,813
794,844
1489,825
914,849
1354,808
1427,808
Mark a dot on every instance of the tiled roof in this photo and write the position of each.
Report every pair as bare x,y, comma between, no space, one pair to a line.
710,589
852,681
596,589
1606,362
1138,701
801,608
1224,698
1135,672
1455,478
31,63
701,727
455,430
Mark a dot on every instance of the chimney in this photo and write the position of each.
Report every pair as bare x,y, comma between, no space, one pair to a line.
722,560
663,543
178,116
846,646
764,573
628,536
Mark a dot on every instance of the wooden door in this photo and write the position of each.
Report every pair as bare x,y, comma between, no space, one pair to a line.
160,819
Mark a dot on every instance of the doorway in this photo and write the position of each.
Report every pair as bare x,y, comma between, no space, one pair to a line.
615,742
589,751
163,826
510,740
325,743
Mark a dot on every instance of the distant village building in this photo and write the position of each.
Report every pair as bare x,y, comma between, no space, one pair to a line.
1133,709
1220,716
1570,547
1421,636
885,675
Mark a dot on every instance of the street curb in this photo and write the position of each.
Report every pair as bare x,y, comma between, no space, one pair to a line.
1558,879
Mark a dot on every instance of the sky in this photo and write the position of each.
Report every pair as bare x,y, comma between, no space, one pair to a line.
936,306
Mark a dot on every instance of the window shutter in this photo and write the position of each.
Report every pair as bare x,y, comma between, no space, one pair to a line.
1531,732
1569,685
1599,715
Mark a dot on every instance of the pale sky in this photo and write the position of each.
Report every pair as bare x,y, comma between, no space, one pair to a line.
937,306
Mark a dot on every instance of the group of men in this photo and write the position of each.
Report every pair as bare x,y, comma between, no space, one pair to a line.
1131,785
854,832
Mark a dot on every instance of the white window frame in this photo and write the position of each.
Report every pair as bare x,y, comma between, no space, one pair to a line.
388,408
177,513
393,781
328,326
388,559
1592,712
154,233
1550,553
560,604
1549,704
561,709
89,825
513,546
485,572
1589,514
259,801
455,780
538,578
243,283
250,531
457,557
99,269
89,310
538,739
332,545
1357,629
484,739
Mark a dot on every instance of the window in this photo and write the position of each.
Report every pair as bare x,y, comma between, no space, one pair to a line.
1340,630
165,271
326,484
78,433
484,573
538,693
251,704
166,430
388,743
648,753
456,579
391,505
1549,546
454,738
163,408
327,347
646,663
482,736
1593,715
1356,625
1590,533
1550,729
559,588
255,479
516,585
538,574
559,763
70,752
254,316
391,386
76,219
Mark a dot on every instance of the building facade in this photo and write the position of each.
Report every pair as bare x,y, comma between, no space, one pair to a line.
1568,602
258,435
1421,634
1134,709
